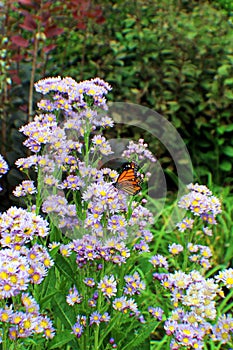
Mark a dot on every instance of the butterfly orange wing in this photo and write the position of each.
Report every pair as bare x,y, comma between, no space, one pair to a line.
128,180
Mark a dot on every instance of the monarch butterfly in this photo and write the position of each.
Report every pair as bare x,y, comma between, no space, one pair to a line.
129,180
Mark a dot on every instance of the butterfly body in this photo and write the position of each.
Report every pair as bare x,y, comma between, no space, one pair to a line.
129,179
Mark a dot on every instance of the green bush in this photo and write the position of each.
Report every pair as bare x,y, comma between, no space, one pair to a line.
174,59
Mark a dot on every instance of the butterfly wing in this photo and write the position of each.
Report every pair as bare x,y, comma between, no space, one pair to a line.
128,180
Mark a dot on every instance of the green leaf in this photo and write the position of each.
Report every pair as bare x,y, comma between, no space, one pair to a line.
65,268
229,94
225,128
63,311
141,336
224,69
228,151
61,339
228,81
225,166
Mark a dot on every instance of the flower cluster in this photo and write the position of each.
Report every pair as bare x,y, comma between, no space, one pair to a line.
18,226
194,299
226,278
134,284
200,202
140,149
68,93
25,323
25,188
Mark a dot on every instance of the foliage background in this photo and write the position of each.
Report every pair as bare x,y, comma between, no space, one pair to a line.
175,57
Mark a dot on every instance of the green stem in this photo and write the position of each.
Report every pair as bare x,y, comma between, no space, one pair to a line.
96,338
225,301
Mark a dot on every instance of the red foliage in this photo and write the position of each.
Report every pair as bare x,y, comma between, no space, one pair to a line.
29,23
19,41
49,48
53,31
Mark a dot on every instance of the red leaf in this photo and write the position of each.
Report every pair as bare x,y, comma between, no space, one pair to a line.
17,58
49,48
25,2
53,31
19,41
45,15
15,77
81,25
29,23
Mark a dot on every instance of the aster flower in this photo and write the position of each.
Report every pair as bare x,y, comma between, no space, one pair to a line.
14,276
120,303
26,188
175,249
108,286
134,285
140,149
3,166
105,317
77,329
72,182
89,282
73,297
222,330
156,312
201,202
101,144
95,318
184,224
159,260
142,247
226,277
19,226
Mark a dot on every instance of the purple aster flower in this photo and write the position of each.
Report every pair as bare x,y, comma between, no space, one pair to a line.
77,329
175,249
170,326
17,226
105,317
207,231
132,306
95,318
193,248
26,163
201,203
72,182
120,303
222,330
89,282
226,277
142,247
116,223
73,297
159,260
27,187
156,312
101,144
184,224
134,285
108,286
92,303
180,279
14,272
3,166
65,250
140,149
